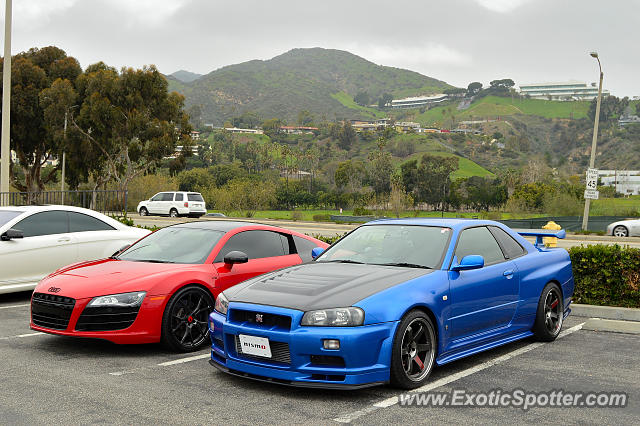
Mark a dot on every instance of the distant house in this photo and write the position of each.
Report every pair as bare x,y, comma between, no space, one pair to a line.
298,130
195,135
562,91
407,126
248,131
370,125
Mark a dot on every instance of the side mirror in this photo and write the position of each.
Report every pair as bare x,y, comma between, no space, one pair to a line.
317,251
472,261
234,257
10,234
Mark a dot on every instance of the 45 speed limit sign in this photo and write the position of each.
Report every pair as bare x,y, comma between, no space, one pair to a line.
592,184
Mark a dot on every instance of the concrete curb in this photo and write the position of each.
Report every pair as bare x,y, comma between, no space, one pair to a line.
605,312
612,326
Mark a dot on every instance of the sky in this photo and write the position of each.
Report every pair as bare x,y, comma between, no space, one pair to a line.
457,41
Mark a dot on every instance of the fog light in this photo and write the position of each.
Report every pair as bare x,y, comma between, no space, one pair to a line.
211,327
331,344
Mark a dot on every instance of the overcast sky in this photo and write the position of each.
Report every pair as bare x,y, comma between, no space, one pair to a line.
457,41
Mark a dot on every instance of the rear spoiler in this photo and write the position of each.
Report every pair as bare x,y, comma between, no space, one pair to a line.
540,233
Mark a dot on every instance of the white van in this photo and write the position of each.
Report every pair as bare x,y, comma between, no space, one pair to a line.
174,204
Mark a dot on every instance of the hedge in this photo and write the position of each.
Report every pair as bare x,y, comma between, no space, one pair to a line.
606,275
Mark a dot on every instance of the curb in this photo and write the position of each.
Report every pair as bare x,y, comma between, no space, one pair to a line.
605,312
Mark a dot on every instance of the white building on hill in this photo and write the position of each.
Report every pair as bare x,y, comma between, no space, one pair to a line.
562,91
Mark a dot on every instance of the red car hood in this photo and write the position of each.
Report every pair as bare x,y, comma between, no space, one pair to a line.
107,276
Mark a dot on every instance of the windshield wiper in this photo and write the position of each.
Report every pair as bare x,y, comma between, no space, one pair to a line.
342,261
150,260
405,264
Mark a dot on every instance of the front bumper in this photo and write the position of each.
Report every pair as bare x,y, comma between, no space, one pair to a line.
363,359
144,329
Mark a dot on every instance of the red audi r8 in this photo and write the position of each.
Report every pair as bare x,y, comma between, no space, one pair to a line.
163,287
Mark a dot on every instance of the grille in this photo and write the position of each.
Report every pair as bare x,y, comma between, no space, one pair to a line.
107,318
268,320
51,311
279,352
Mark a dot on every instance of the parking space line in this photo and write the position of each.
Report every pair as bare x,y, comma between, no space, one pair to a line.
15,306
385,403
22,335
164,364
183,360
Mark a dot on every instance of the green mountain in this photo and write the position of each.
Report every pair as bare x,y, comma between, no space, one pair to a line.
322,81
186,76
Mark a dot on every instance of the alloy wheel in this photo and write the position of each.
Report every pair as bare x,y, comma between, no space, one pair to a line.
417,351
620,231
189,319
553,312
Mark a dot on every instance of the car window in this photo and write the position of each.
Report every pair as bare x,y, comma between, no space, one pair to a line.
167,196
44,223
79,222
256,244
479,241
6,216
510,247
179,197
304,247
157,197
195,197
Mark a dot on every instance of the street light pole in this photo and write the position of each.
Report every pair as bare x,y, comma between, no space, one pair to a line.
5,150
587,201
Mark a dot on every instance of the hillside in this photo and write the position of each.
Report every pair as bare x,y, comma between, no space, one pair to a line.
185,76
302,79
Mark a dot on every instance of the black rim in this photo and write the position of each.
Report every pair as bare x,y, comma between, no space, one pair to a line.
553,312
417,349
189,319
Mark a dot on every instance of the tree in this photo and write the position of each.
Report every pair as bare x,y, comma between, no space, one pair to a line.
34,136
346,136
380,169
362,98
385,100
474,88
271,127
399,200
131,119
611,108
434,178
305,118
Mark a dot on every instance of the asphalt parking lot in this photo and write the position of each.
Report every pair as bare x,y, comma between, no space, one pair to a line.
52,380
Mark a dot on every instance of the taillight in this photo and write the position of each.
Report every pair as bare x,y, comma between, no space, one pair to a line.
186,204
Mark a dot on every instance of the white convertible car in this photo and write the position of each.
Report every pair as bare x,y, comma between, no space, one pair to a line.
37,240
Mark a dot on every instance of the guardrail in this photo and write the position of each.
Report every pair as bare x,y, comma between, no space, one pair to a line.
105,201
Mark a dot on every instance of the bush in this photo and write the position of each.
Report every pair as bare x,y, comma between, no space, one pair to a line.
606,275
361,211
296,216
328,240
322,217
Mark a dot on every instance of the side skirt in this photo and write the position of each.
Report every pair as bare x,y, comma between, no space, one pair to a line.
481,348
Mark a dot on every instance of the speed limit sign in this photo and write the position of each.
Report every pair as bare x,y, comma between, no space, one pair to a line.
592,179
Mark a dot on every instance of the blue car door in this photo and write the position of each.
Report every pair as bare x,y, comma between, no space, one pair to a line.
485,298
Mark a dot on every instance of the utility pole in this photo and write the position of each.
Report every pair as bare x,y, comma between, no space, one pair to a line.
5,150
587,201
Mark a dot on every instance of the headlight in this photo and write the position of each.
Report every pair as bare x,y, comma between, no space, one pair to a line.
123,299
222,304
337,317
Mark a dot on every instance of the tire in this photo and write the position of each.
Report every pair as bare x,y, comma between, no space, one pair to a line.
550,314
620,231
173,213
143,211
414,351
185,320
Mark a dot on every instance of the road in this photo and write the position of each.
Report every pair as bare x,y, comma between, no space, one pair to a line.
332,229
53,380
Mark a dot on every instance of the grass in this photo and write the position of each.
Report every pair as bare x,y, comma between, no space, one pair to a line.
615,206
348,101
495,106
466,167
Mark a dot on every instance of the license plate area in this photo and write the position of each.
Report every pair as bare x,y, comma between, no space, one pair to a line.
256,346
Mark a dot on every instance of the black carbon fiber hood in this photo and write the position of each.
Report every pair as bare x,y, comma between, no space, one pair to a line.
320,285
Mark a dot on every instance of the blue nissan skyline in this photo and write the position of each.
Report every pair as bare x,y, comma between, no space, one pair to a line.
390,301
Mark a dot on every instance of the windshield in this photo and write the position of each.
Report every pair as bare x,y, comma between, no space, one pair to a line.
7,215
396,245
174,244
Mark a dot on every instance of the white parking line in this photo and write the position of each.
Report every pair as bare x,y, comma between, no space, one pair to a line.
22,335
385,403
15,306
164,364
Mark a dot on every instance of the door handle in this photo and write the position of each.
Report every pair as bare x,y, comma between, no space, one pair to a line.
508,273
64,240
